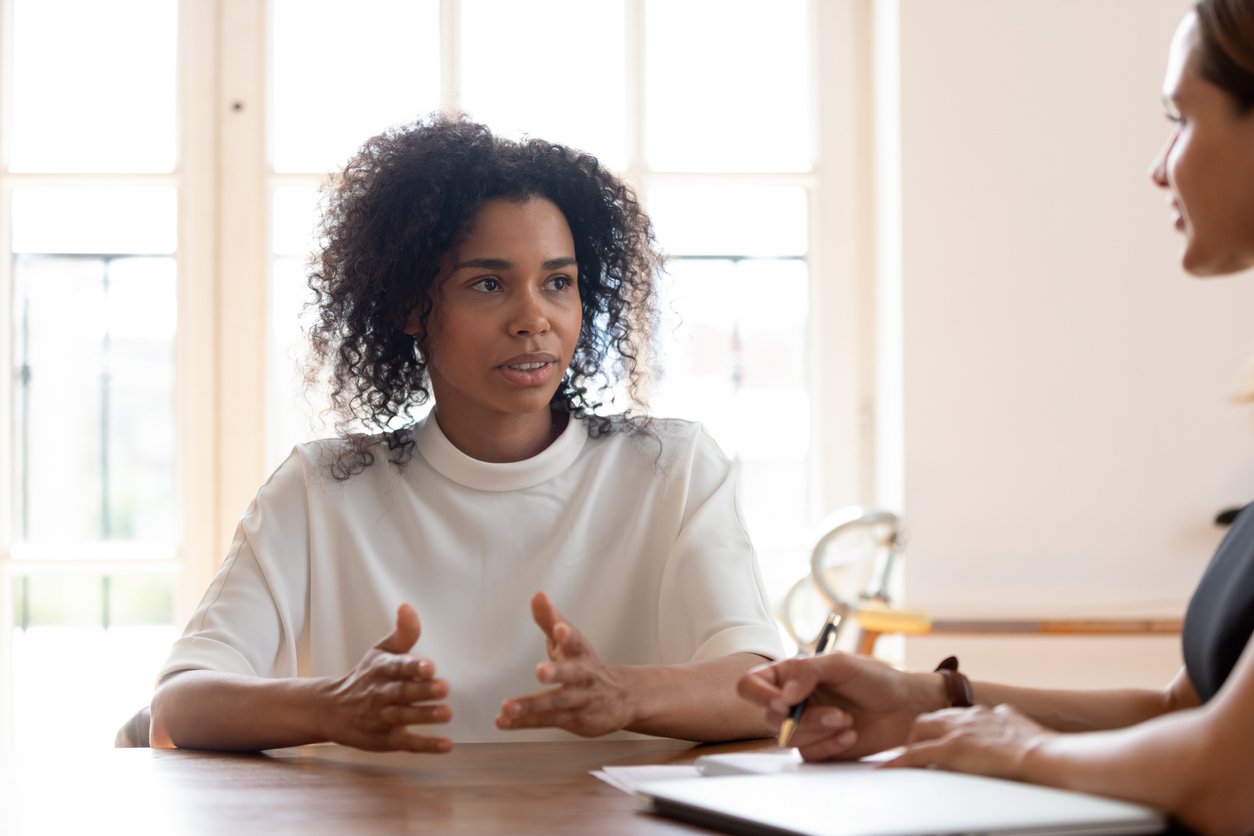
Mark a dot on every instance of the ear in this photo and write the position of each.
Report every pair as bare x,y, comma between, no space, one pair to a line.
413,324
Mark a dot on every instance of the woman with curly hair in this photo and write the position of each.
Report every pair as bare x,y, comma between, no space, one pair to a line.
513,284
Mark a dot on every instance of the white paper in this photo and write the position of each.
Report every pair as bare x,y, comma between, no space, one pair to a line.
628,778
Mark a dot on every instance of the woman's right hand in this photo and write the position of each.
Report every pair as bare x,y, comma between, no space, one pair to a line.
371,706
857,706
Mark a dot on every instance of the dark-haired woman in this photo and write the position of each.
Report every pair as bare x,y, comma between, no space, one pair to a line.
1189,748
512,282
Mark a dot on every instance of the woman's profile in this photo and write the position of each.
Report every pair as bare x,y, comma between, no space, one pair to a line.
1189,748
563,569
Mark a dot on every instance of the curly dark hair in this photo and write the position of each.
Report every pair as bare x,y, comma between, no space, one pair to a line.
402,202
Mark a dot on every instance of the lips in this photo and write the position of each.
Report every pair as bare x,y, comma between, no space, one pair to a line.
529,369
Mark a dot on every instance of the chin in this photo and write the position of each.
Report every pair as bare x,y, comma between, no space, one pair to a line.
1204,265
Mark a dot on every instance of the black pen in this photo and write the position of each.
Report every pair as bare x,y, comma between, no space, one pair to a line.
820,647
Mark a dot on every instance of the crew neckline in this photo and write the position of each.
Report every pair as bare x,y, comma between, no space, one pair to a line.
456,466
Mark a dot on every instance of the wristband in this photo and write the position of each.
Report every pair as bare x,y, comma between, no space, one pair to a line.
957,686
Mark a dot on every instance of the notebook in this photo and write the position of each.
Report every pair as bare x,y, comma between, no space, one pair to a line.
896,802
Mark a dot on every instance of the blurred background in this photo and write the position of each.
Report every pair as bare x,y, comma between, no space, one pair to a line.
914,263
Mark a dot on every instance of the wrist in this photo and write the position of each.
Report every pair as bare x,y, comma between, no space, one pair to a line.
316,705
931,692
1031,761
633,694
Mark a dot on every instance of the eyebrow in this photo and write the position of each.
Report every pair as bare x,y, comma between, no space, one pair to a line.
505,264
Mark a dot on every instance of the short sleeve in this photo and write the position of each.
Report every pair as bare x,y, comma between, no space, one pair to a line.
712,601
251,619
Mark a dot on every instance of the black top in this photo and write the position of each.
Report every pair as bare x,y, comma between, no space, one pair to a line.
1220,618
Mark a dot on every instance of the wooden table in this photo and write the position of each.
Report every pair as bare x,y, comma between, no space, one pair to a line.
514,788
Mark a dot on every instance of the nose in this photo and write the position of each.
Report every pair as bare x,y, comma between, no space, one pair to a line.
1158,168
528,317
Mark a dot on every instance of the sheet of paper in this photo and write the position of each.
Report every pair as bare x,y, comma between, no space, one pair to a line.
771,763
628,778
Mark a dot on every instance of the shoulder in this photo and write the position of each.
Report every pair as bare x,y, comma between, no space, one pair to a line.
673,447
337,464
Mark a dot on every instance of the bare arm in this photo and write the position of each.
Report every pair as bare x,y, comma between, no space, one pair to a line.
858,706
368,708
1196,764
1069,710
694,701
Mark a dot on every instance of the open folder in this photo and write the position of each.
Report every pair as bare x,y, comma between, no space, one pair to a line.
897,802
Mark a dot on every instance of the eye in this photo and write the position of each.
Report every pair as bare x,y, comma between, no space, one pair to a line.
558,283
487,285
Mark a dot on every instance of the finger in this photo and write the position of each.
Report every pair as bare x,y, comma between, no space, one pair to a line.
760,686
795,680
539,720
931,726
402,666
558,699
405,692
415,715
545,615
398,738
406,633
568,673
921,755
831,745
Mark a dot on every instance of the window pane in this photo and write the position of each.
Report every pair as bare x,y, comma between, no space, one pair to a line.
118,631
727,85
94,85
345,70
733,356
730,220
294,216
91,219
94,423
553,69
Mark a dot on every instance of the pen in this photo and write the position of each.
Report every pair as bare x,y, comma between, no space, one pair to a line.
820,647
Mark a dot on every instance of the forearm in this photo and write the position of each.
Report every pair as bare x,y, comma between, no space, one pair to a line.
694,701
1192,764
1077,711
211,710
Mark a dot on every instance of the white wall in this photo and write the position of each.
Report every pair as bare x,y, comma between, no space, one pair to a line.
1066,436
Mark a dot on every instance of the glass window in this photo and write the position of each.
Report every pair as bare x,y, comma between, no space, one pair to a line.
553,69
94,86
116,628
722,220
96,334
91,319
727,85
344,71
95,219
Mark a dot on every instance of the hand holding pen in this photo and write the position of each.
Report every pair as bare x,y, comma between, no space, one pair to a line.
827,637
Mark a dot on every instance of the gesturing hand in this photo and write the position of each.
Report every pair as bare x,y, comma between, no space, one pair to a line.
857,706
371,706
980,740
591,698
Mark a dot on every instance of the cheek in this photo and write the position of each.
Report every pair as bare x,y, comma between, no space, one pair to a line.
572,321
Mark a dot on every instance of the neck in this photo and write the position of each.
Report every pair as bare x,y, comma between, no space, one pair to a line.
499,437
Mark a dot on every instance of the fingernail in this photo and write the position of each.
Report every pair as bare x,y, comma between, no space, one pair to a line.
778,707
846,738
834,721
512,709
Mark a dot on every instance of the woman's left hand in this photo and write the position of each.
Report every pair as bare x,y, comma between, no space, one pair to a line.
592,698
981,740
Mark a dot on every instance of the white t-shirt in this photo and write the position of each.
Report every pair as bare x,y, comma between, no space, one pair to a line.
638,541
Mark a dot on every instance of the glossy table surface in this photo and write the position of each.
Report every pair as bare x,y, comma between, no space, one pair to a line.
516,788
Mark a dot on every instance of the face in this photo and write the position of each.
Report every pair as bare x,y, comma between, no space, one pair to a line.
1207,165
507,315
